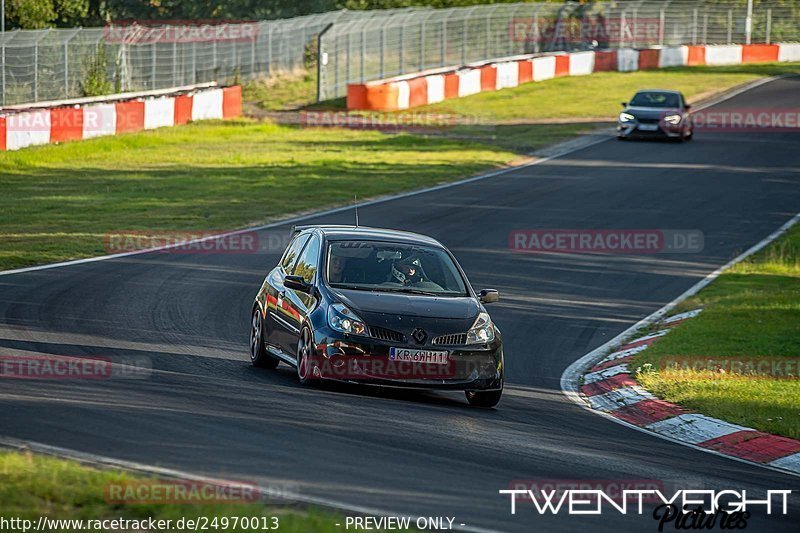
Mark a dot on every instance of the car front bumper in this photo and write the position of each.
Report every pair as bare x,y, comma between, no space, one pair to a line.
366,360
633,130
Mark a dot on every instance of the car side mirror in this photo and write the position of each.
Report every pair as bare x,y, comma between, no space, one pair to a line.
687,107
489,296
297,283
624,104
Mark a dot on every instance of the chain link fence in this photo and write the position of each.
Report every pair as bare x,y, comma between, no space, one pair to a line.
426,39
43,65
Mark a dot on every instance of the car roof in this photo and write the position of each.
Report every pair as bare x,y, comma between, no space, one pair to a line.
669,91
342,232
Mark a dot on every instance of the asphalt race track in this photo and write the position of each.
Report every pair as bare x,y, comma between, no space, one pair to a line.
204,409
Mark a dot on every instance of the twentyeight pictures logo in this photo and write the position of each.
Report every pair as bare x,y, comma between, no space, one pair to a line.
682,509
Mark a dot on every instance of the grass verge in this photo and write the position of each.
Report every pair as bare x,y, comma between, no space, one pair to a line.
600,94
751,314
60,201
32,486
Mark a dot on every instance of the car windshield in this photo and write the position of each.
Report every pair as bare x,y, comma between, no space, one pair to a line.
393,267
655,99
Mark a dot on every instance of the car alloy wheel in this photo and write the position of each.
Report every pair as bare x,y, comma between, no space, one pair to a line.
258,353
304,352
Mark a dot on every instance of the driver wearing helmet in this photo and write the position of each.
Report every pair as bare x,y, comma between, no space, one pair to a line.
408,271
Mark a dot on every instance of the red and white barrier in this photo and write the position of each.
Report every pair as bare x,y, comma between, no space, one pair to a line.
159,113
627,59
99,120
507,75
428,88
64,122
724,55
673,56
789,52
207,105
28,129
435,87
469,82
544,68
581,63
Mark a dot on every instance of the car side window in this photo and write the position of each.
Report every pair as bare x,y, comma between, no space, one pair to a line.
307,264
292,251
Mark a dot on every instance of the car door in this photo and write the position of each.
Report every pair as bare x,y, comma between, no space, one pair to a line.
277,325
299,303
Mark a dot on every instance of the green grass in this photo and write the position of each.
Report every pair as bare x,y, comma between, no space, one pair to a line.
753,311
59,201
282,93
600,94
32,486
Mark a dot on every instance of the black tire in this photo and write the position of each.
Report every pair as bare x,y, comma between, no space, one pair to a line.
259,357
304,353
485,399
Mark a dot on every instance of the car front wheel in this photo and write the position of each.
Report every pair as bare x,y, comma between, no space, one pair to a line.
484,399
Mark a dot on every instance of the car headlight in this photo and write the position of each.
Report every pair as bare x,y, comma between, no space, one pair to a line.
343,319
482,331
626,117
672,119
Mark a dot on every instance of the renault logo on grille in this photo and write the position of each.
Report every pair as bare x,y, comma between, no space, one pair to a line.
419,335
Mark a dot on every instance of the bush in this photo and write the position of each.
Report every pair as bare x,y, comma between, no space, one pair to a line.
95,81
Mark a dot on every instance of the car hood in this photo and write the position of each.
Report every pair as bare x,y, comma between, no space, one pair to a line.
652,112
403,311
408,304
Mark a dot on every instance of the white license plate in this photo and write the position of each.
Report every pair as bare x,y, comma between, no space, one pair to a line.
648,127
418,356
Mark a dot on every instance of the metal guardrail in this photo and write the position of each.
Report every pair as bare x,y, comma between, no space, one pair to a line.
38,65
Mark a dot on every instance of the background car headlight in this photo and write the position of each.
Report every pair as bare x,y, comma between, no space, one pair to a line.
343,319
626,117
482,330
672,119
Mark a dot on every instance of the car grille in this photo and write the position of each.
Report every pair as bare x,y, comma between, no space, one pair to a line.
386,334
649,120
451,340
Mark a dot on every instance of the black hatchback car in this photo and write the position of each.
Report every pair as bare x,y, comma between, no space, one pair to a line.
377,306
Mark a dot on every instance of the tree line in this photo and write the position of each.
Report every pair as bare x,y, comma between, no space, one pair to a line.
37,14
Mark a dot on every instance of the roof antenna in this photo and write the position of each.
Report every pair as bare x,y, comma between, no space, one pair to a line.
355,204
